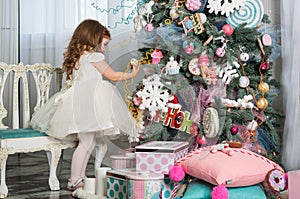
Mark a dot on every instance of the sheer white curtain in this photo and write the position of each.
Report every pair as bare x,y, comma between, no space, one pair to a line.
45,34
291,82
9,31
8,46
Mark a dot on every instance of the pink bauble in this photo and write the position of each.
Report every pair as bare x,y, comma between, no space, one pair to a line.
220,52
265,66
234,130
228,29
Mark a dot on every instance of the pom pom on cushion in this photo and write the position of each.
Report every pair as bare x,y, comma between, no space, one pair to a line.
219,192
176,173
240,168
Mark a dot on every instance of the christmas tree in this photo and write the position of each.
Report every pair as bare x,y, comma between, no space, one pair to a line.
208,66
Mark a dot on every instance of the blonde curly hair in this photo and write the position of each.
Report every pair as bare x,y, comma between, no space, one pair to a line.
88,34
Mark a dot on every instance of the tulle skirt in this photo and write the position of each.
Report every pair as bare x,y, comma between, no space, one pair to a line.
83,108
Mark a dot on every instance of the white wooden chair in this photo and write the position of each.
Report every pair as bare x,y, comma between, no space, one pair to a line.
17,137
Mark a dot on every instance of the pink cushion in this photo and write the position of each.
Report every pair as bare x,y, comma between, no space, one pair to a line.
239,167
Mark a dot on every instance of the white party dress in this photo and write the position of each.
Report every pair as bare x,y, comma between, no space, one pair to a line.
86,103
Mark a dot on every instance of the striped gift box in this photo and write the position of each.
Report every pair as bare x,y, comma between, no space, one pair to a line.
125,161
129,184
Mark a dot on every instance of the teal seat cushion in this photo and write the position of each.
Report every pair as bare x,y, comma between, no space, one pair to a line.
199,189
20,133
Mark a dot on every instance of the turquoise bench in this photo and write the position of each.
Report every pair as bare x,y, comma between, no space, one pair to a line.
23,89
19,133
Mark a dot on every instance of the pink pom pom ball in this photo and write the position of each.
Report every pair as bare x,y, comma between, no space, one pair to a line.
219,192
176,173
228,29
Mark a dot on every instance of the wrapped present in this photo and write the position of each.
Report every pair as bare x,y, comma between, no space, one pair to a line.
130,184
159,156
171,189
293,184
124,161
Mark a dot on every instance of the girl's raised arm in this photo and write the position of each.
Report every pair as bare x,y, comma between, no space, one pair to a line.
113,75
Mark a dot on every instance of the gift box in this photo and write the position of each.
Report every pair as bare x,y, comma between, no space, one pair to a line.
159,156
130,184
293,184
125,161
169,188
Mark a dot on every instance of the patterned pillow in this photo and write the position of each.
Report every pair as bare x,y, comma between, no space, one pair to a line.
232,167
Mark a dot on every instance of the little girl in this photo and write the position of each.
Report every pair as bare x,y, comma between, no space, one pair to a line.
87,106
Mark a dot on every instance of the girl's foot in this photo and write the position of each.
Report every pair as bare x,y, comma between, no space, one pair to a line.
72,186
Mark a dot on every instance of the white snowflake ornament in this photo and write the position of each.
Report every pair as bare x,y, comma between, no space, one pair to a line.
154,96
228,72
224,6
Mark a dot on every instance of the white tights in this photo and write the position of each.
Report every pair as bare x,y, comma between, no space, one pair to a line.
81,155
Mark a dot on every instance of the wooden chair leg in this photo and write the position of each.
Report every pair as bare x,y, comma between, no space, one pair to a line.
3,187
60,162
53,158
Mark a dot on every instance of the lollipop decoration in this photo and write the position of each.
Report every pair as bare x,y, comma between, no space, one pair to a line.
251,14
